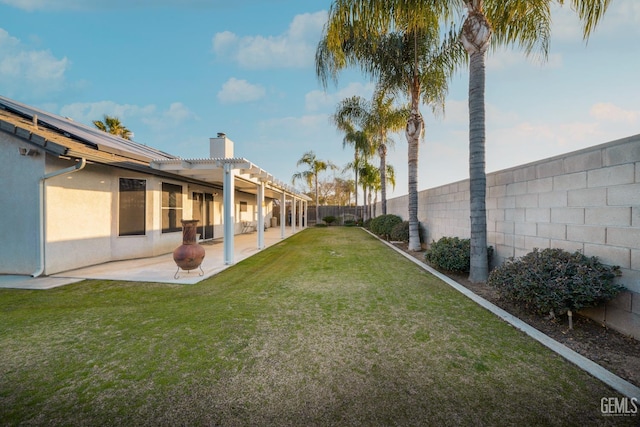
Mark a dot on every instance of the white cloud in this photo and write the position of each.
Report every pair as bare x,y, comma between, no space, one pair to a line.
87,112
236,91
512,141
177,114
29,5
293,49
224,42
147,121
33,5
609,112
27,71
622,17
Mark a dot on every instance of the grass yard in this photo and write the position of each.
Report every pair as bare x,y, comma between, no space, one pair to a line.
329,327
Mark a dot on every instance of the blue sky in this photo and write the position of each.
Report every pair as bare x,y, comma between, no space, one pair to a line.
176,72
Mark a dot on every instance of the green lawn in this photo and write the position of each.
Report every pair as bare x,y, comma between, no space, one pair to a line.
329,327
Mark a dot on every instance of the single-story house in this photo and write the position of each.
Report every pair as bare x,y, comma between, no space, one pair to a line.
74,196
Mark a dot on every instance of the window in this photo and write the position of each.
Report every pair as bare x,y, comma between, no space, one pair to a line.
243,206
171,207
132,207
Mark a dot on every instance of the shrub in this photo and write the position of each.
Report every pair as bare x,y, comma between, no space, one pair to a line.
329,219
349,222
450,254
367,224
400,232
556,281
383,224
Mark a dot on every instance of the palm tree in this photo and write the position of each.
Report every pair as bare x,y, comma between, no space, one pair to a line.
369,175
377,118
311,175
353,137
356,165
390,177
349,187
527,24
113,126
399,44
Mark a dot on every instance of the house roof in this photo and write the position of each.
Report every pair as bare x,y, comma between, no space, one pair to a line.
60,136
63,136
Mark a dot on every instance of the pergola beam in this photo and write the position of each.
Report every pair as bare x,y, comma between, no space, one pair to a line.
232,170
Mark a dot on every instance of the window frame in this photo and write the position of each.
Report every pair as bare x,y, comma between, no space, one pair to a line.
174,196
131,207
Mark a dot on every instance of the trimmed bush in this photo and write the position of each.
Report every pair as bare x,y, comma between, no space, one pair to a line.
450,254
400,232
367,224
556,281
349,222
329,219
383,224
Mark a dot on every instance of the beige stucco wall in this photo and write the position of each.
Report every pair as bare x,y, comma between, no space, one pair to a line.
81,226
78,217
82,217
588,200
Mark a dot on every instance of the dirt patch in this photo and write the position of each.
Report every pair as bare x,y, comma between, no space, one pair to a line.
610,349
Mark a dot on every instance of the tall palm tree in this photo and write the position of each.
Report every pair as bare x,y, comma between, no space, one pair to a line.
357,138
384,118
315,166
378,118
398,43
525,23
113,126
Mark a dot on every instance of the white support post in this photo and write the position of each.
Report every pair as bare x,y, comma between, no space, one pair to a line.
293,215
228,191
304,216
260,202
300,214
283,214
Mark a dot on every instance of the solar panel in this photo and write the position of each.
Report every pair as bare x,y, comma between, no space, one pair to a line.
87,135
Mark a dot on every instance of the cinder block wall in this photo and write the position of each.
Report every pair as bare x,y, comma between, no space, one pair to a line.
587,200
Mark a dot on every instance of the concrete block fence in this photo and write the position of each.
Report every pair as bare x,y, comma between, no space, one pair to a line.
586,200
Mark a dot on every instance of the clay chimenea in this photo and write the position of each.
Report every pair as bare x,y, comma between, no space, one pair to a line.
190,254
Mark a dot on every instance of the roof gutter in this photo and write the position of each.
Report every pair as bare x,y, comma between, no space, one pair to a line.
77,167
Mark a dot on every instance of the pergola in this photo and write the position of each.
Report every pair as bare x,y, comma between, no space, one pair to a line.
242,175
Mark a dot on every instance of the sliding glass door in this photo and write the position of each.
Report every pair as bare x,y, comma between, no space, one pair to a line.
203,212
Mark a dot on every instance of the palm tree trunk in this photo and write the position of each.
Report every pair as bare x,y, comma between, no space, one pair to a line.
372,211
382,152
415,126
375,202
355,167
317,207
476,36
479,268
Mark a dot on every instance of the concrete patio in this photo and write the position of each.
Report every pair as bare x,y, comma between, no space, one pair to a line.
160,269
